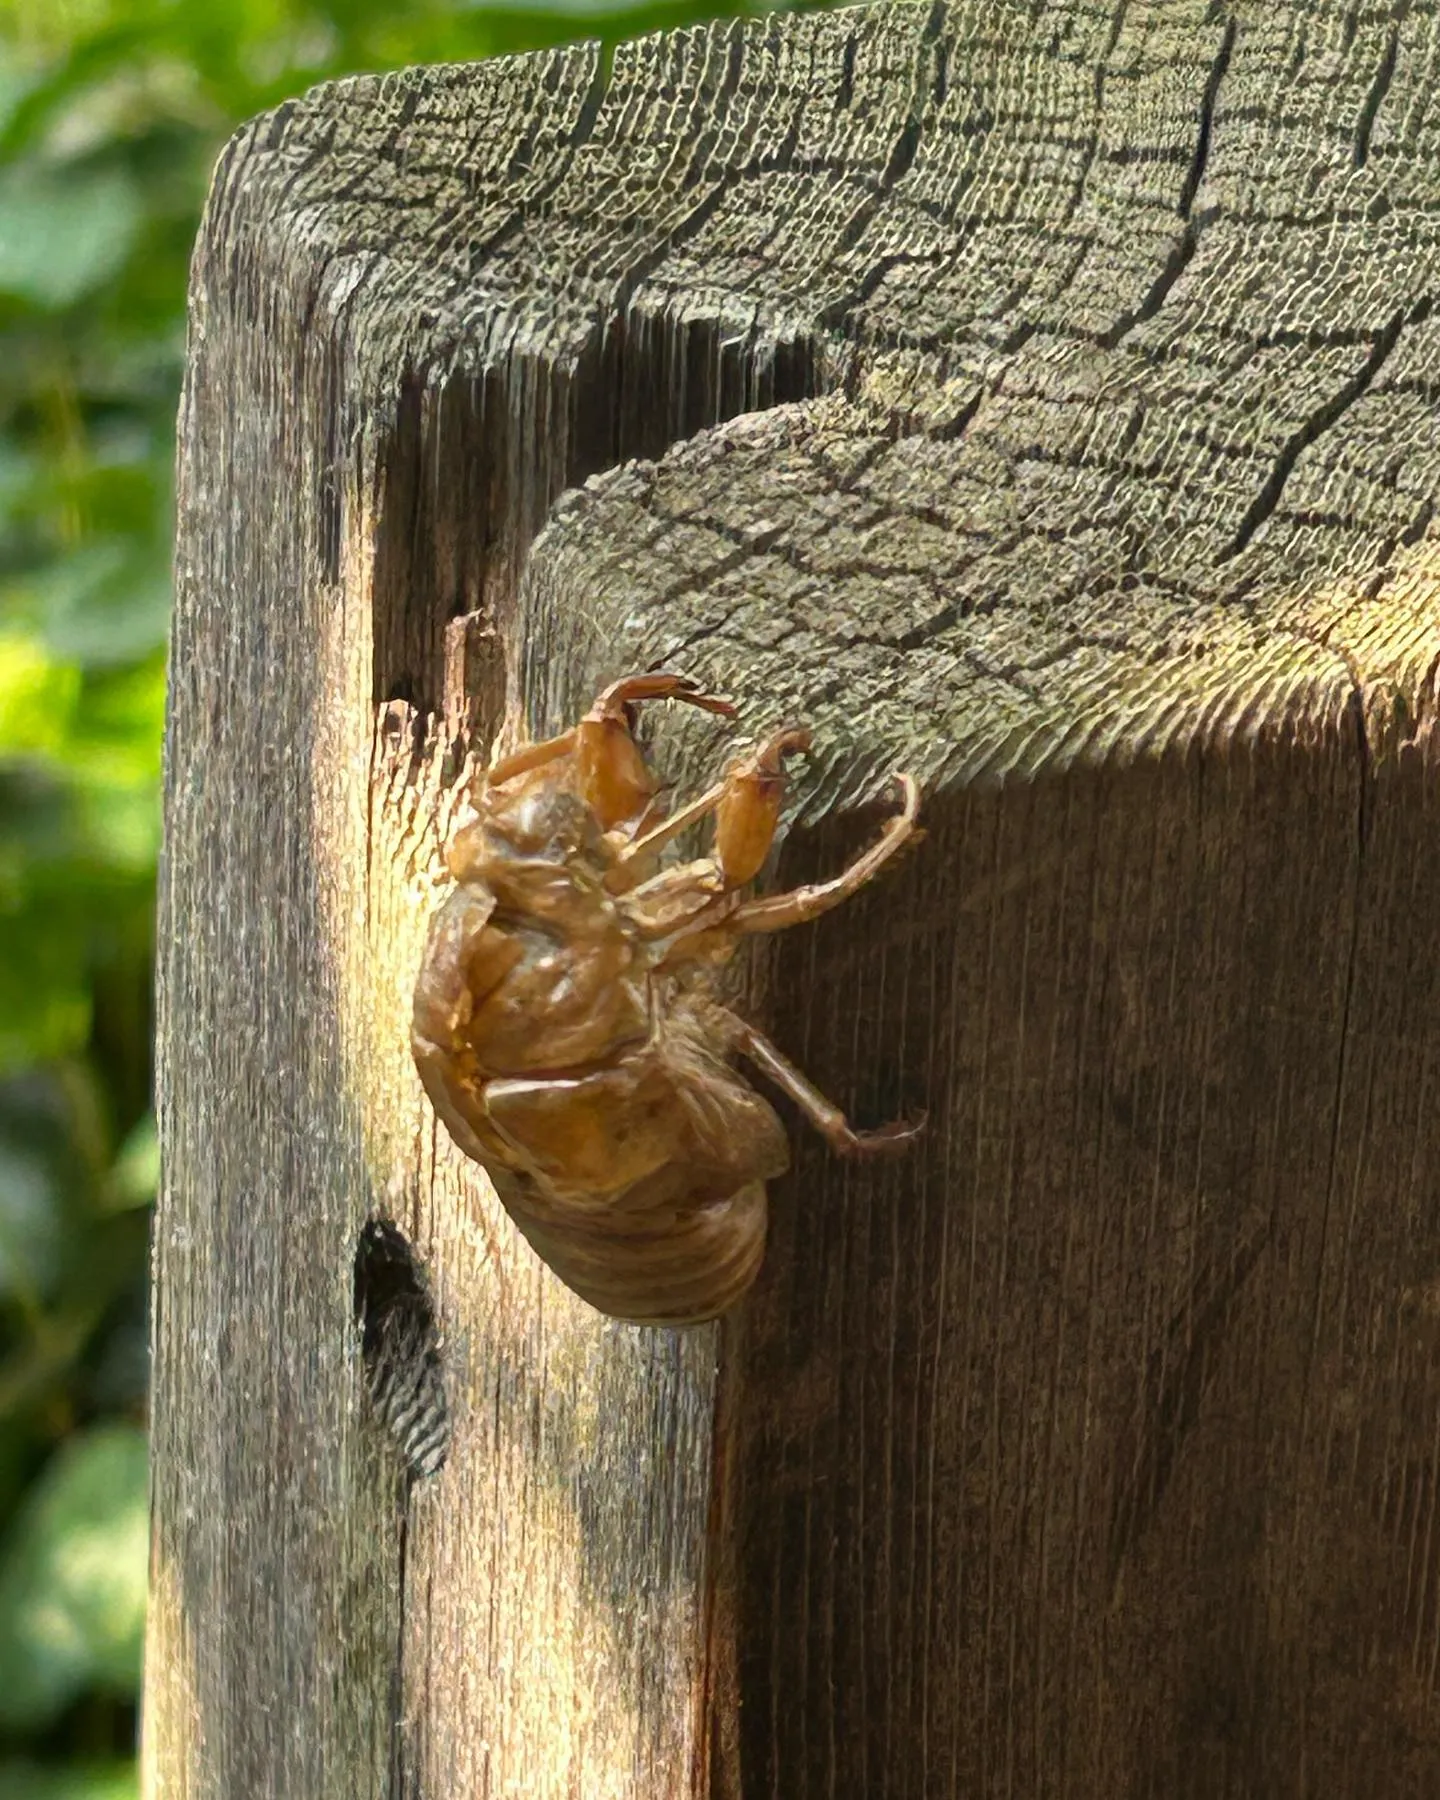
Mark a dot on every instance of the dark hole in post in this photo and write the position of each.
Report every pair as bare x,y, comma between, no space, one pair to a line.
401,1347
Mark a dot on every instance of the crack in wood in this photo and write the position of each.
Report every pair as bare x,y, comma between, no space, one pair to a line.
1375,97
1323,417
1175,266
1208,103
1180,1372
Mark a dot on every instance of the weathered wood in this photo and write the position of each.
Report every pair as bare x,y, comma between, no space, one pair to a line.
1088,466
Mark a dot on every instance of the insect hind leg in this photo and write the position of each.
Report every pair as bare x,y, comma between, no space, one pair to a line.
823,1114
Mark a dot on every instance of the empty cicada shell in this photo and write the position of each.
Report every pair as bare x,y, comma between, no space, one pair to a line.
566,1040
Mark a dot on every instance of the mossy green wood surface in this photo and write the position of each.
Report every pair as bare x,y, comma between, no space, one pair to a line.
1041,398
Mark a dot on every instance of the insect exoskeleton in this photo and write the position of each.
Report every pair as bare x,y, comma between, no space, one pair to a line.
564,1031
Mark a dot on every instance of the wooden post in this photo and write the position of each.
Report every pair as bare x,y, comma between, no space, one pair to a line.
1043,399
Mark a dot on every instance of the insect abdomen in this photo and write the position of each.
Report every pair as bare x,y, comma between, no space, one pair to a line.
648,1268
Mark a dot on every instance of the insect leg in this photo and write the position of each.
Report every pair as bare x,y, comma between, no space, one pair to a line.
777,912
629,865
746,805
656,684
747,808
670,902
609,709
703,935
823,1114
618,787
532,756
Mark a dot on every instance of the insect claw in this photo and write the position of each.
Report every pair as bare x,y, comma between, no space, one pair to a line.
658,684
692,690
712,703
794,740
883,1140
909,790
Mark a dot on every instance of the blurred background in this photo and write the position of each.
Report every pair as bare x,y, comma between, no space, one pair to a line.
111,115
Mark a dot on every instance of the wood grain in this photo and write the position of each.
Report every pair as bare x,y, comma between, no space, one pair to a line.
1042,398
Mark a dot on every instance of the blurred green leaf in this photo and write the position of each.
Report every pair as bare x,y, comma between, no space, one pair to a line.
136,1173
30,1221
17,475
44,993
103,603
113,762
37,696
95,1781
64,231
72,1578
16,81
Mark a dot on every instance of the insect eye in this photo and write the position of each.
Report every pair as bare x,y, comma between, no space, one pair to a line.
400,1347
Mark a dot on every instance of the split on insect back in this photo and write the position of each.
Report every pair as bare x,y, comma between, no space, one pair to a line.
565,1030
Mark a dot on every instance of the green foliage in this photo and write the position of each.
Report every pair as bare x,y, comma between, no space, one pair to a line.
72,1578
82,1781
111,115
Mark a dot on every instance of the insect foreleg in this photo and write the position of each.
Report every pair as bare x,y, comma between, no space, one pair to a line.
749,809
777,912
604,741
657,684
728,914
746,804
618,786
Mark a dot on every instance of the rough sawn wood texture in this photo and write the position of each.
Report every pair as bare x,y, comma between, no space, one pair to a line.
1042,398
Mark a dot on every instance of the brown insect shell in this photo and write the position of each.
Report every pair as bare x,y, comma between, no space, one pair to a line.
593,1090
